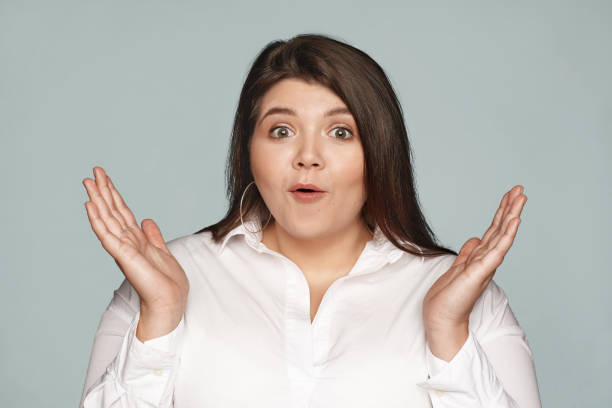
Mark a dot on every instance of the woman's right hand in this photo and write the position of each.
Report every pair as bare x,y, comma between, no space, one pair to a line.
142,256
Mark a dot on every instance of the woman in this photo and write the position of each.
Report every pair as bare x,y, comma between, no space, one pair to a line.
323,285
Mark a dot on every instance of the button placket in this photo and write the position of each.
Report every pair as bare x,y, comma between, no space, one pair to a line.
308,344
298,334
321,329
320,346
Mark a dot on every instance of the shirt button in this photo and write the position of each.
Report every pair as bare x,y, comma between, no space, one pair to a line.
158,371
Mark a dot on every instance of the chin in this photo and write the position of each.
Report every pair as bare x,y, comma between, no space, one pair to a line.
308,228
306,231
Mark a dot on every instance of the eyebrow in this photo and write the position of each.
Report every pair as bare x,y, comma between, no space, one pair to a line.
281,110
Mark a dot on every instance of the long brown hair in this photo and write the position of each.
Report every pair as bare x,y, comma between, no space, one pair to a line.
391,197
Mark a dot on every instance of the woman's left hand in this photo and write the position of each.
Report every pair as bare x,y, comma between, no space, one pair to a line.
449,302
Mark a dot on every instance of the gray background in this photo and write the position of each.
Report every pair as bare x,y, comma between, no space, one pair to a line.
495,94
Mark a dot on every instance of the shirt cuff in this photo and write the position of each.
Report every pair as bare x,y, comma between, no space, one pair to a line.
168,342
147,369
468,380
435,364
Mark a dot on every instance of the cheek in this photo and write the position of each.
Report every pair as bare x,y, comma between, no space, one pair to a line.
267,173
354,169
349,172
259,164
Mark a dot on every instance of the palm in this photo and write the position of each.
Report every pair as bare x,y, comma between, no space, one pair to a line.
141,254
451,298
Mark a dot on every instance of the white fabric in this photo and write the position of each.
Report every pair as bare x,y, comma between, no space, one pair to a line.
246,339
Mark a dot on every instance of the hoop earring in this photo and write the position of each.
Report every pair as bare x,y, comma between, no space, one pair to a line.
242,221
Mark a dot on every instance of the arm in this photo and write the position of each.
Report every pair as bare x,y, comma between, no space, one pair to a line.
123,371
493,368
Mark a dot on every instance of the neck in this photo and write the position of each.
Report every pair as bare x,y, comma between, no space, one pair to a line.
321,258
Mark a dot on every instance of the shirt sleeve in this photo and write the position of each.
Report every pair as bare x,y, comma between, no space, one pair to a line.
493,368
125,372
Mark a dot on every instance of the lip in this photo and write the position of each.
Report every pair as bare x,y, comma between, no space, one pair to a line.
306,186
308,197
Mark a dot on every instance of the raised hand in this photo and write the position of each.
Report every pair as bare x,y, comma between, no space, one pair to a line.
142,256
450,300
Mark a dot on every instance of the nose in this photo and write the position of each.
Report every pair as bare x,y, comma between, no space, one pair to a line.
308,153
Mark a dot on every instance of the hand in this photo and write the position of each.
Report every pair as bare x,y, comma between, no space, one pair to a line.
142,256
450,300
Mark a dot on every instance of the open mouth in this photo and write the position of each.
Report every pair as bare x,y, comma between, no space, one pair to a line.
307,195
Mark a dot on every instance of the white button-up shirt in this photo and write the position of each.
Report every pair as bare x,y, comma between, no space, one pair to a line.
246,339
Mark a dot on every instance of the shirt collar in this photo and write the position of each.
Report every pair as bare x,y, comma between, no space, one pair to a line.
246,229
379,243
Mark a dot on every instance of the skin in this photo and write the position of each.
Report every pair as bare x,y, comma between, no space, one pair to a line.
324,238
142,256
450,300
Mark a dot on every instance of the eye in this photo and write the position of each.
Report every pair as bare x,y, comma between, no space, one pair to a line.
344,134
279,135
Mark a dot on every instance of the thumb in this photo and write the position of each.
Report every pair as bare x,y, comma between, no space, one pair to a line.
154,235
466,250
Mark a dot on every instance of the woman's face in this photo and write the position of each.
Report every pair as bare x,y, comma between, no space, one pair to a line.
305,134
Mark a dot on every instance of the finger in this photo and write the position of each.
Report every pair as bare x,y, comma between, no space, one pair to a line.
128,216
514,213
502,206
102,209
515,209
515,192
488,261
154,235
496,218
466,250
496,255
124,254
102,183
109,241
511,210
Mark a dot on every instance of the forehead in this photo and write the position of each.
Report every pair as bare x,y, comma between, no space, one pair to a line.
300,96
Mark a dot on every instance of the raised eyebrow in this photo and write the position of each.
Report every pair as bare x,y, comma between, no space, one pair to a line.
287,111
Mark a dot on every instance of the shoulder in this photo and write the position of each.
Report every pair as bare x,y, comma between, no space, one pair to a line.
436,266
188,250
491,315
196,253
192,244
